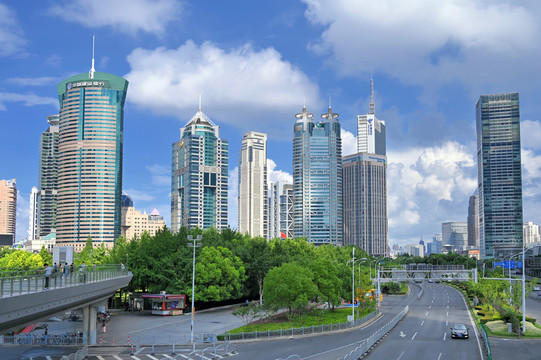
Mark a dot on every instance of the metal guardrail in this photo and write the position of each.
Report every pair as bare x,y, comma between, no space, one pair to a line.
79,355
26,281
375,337
297,331
39,339
485,338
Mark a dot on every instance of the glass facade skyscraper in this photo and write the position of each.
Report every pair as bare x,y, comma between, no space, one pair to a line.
499,174
48,176
199,176
317,179
90,158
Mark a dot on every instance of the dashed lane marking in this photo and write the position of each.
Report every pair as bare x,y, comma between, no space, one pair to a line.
444,336
422,322
401,355
413,336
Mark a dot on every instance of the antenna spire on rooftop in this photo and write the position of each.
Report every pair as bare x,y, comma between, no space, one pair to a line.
92,70
372,106
199,102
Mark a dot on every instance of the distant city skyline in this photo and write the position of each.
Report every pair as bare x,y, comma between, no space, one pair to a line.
256,67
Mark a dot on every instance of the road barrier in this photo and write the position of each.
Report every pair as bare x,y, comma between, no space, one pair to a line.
485,338
297,331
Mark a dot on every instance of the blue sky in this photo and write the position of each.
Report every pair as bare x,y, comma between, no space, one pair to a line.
255,63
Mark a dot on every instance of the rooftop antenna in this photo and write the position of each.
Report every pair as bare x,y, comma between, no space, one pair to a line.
304,107
199,102
372,106
329,102
92,70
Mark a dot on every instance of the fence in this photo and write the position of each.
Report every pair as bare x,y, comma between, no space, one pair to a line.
485,338
39,339
297,331
25,281
375,337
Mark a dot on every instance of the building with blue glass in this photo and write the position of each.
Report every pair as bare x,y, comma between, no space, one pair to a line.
317,179
499,175
90,150
199,176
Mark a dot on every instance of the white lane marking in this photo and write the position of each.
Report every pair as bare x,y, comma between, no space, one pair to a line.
422,322
48,358
439,356
432,301
100,357
134,357
117,357
184,356
447,306
152,357
426,313
446,323
402,334
321,353
444,336
413,336
430,307
167,356
400,355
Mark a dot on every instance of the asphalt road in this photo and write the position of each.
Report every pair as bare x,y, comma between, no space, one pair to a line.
424,334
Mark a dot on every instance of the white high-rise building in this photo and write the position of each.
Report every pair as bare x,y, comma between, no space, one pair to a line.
253,199
33,225
370,130
531,233
281,210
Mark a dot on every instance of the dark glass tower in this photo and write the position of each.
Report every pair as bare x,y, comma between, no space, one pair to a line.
499,174
48,177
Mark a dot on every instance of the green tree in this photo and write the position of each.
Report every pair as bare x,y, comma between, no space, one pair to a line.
289,286
45,256
325,274
219,275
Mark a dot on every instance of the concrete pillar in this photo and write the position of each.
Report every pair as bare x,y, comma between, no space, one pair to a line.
92,324
86,318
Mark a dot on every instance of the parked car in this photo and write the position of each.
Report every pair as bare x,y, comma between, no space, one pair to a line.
537,288
459,331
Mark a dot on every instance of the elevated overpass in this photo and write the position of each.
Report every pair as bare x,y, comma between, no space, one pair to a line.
24,300
420,272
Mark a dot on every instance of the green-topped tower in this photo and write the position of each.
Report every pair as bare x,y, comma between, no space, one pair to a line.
90,158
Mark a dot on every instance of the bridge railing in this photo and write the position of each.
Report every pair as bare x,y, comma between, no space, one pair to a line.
20,281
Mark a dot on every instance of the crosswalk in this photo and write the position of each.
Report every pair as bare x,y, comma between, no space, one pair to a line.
195,356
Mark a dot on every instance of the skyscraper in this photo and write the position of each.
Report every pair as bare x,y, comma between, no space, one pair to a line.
48,176
281,210
8,211
33,217
253,201
365,186
499,175
473,221
454,235
199,176
317,178
90,158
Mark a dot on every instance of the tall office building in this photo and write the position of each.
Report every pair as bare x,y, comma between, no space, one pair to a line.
253,200
454,235
33,217
499,175
199,176
8,211
365,186
371,136
90,153
531,233
281,210
473,221
317,178
48,176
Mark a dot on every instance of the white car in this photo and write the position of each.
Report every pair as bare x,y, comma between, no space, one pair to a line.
537,288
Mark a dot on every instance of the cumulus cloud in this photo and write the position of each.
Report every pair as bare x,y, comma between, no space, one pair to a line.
12,40
138,195
530,133
428,185
257,84
161,175
128,16
531,173
349,143
275,175
431,43
36,81
27,99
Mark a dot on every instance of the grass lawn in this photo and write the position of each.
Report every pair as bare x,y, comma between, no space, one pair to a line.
312,318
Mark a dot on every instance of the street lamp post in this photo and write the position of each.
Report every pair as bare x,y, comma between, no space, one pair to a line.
523,285
359,279
379,287
194,245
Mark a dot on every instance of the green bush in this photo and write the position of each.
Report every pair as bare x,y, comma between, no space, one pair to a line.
478,307
530,319
481,313
484,320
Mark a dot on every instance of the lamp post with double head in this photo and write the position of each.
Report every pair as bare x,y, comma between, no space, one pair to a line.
379,286
194,245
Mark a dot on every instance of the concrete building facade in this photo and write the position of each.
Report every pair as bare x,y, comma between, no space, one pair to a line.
8,211
135,223
253,213
281,210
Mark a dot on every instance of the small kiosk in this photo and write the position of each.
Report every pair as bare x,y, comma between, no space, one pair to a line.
166,304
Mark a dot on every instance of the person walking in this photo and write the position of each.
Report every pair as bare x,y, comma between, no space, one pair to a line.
48,272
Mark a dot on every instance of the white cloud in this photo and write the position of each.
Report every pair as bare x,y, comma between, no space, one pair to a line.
428,186
161,175
23,216
431,43
12,39
128,16
37,81
530,133
349,143
26,99
277,175
243,85
138,195
531,173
